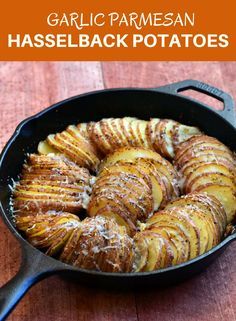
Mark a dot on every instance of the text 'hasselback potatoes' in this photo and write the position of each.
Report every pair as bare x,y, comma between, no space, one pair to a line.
51,182
131,184
208,166
186,228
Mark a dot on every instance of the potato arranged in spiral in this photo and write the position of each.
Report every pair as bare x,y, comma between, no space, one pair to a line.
112,133
207,165
137,219
49,231
86,143
74,143
99,244
165,135
51,182
186,228
132,183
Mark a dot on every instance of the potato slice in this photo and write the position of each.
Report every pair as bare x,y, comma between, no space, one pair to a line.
151,252
111,205
128,154
182,133
165,135
206,153
226,196
116,124
73,143
65,149
185,224
152,133
100,244
45,148
142,129
50,182
159,188
80,133
49,231
204,224
130,169
138,207
190,166
168,173
127,129
182,148
78,148
208,204
120,216
98,138
211,178
204,168
204,149
176,238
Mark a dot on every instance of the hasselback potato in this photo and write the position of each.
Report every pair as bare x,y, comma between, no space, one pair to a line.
74,143
186,228
207,165
99,244
49,231
86,143
131,184
51,182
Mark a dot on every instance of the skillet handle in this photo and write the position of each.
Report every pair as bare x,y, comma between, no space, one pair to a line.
34,267
228,113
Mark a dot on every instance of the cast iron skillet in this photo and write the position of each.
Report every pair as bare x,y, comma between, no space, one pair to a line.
163,102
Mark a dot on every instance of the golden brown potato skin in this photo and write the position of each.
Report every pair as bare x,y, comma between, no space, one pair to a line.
186,228
75,144
49,231
99,244
51,182
132,183
208,166
87,143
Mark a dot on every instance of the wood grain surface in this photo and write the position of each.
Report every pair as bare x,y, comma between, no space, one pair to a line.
28,87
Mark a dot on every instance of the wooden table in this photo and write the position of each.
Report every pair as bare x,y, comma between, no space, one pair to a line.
26,88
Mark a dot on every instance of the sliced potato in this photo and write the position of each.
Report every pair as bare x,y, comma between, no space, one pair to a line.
165,135
182,133
190,166
205,168
152,252
176,238
45,148
75,144
226,196
128,154
51,182
152,133
208,204
100,244
195,140
49,231
211,178
185,224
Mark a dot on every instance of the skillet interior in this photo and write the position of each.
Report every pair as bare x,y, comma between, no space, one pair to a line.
94,106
